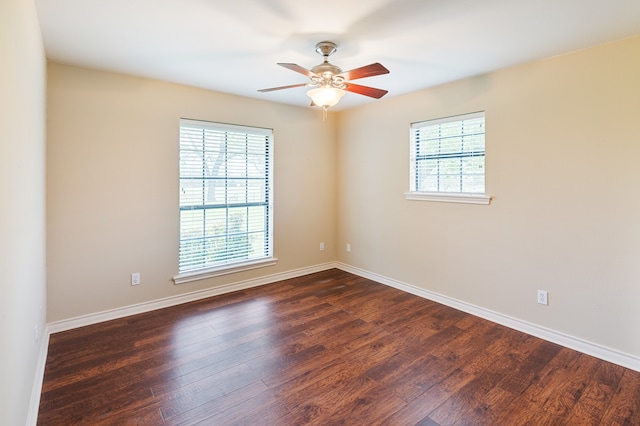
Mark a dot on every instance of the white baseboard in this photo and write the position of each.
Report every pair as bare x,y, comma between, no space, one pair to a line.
81,321
36,390
580,345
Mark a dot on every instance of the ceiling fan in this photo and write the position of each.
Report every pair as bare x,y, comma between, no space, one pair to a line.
328,82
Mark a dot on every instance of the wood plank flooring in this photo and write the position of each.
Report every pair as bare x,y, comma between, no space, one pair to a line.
329,348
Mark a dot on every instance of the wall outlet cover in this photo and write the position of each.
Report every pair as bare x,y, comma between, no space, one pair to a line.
543,297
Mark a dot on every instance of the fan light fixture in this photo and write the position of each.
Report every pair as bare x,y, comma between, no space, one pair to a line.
325,96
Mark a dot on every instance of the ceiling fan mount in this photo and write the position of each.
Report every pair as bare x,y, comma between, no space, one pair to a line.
326,48
328,82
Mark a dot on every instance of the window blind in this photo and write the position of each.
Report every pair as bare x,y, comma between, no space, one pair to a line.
448,154
225,195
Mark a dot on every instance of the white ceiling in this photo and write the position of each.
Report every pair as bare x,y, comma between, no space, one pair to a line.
233,45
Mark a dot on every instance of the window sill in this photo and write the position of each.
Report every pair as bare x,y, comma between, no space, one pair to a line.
449,197
203,274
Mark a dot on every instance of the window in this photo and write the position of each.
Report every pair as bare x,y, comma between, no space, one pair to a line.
447,159
225,199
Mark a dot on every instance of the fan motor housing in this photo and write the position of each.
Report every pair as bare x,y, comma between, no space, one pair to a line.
326,68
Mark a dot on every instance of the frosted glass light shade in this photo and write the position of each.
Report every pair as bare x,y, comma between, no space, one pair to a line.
325,96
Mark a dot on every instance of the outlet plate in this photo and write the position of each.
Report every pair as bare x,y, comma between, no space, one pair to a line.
543,297
348,248
135,278
321,246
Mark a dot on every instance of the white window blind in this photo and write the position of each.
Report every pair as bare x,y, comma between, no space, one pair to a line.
447,155
225,195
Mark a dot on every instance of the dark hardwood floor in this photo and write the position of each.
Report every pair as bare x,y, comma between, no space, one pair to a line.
326,349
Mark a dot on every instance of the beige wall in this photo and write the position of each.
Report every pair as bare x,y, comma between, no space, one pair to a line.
112,186
563,145
22,216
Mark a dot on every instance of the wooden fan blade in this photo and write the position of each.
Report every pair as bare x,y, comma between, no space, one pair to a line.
298,68
365,90
362,72
282,87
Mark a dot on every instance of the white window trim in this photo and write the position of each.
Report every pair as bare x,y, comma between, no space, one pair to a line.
452,197
449,197
203,274
234,267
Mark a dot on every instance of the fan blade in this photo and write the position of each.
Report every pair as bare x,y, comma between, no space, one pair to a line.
365,90
298,68
282,87
362,72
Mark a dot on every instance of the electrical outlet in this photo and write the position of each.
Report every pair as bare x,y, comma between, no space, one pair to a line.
321,246
135,278
542,297
348,248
